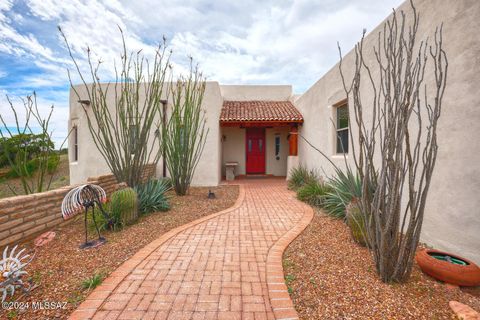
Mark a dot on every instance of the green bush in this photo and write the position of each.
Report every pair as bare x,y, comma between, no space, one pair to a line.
151,195
31,166
300,176
53,162
356,222
313,192
124,206
344,187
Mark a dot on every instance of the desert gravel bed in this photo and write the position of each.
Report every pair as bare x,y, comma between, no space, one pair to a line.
59,268
331,277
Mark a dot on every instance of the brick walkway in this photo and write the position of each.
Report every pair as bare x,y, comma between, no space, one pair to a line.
224,266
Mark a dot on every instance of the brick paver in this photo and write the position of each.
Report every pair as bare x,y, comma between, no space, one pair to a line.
224,266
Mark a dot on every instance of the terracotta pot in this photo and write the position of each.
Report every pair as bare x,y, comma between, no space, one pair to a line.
460,275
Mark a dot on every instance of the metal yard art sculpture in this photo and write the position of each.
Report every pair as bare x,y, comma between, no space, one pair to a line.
11,270
83,198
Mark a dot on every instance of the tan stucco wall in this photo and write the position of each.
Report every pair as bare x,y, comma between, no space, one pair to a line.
233,148
256,92
91,163
452,219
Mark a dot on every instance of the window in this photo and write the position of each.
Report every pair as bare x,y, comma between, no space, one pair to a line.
342,129
75,143
277,146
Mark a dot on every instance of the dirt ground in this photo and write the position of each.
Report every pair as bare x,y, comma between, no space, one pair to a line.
331,277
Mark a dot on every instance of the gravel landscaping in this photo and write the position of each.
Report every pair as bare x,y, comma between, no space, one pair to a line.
61,269
331,277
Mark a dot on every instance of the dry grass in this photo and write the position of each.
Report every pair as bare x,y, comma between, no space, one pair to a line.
331,277
61,269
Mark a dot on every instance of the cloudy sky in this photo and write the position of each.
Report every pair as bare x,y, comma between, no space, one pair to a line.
248,41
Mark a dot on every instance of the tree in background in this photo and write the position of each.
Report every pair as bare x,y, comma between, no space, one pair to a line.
397,146
123,132
185,134
30,156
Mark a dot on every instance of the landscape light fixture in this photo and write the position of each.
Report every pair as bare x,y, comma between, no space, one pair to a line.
84,102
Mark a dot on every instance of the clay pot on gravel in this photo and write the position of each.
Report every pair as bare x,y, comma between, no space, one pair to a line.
448,267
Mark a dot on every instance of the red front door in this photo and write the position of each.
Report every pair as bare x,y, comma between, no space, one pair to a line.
255,150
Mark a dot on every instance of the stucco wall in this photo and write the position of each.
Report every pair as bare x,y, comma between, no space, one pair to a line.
91,163
233,148
452,220
256,92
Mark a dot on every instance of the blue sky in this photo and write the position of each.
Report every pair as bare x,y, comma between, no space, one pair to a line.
248,41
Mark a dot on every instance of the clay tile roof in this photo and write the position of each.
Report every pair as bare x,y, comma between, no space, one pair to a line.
235,111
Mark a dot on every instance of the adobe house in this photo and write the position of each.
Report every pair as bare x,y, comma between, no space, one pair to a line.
257,128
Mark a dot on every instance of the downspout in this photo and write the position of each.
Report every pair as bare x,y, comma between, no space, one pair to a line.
164,123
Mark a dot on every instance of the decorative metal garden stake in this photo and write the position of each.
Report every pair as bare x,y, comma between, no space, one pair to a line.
81,199
11,271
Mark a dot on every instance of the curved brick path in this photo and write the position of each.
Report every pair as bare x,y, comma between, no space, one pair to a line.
224,266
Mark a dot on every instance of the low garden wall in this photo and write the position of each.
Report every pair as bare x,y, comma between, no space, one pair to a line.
23,217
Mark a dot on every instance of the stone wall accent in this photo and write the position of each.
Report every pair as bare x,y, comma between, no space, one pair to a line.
24,217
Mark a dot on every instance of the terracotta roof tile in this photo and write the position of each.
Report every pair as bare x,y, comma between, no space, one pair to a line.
235,111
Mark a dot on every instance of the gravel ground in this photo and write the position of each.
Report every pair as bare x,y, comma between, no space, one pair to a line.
331,277
59,268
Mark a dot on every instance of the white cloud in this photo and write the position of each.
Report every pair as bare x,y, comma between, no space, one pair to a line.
248,41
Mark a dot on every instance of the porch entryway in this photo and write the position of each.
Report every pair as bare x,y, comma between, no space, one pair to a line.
259,137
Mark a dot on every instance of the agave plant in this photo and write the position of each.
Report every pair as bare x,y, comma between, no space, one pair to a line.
151,196
344,187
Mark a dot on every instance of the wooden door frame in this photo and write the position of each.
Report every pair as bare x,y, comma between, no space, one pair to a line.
264,131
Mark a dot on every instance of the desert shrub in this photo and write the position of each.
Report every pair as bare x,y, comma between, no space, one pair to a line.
356,222
92,282
32,165
53,162
151,195
313,192
344,187
300,176
124,206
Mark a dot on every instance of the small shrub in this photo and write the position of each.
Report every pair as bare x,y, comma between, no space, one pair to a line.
344,187
151,196
300,176
92,282
356,222
53,162
124,206
313,192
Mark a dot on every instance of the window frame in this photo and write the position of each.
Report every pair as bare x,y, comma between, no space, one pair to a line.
337,106
75,143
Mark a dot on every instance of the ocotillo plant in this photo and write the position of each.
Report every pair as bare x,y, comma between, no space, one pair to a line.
123,132
27,147
185,134
391,156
